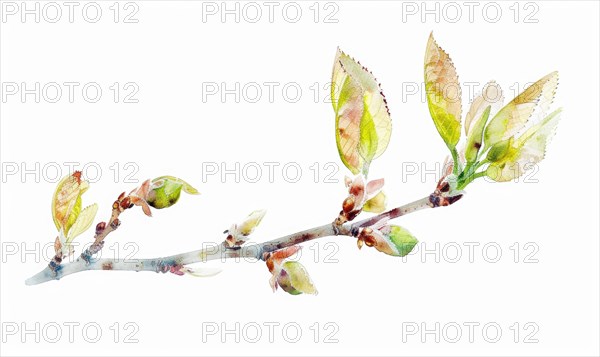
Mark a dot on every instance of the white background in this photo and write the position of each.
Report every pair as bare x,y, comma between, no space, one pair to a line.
367,298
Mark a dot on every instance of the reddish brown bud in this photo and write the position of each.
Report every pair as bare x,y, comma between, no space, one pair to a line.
348,204
100,227
356,190
370,241
125,203
366,231
121,196
115,224
350,216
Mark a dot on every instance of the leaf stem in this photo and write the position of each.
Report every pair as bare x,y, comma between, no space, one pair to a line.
457,166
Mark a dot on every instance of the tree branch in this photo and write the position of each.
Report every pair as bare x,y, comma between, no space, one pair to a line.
222,251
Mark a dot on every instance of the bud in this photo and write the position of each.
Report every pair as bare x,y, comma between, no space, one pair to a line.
290,275
238,233
165,191
294,279
100,227
475,136
388,239
360,196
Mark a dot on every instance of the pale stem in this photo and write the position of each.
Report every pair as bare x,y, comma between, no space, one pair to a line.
221,251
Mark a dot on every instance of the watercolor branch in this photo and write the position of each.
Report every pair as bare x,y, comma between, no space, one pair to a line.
500,147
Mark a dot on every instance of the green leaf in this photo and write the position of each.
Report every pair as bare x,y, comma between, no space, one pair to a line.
402,239
499,150
362,120
475,136
529,148
294,279
443,93
513,117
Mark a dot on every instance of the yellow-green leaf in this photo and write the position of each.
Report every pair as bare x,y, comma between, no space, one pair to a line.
513,117
376,204
402,239
251,222
500,150
443,93
363,123
529,148
294,279
83,222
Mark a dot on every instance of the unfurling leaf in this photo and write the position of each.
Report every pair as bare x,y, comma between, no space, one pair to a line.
69,218
443,93
83,222
402,239
290,275
294,279
251,222
238,233
376,204
513,117
165,191
475,137
528,149
392,240
359,194
388,239
139,196
362,119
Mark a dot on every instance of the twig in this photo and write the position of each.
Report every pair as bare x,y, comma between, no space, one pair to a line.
222,251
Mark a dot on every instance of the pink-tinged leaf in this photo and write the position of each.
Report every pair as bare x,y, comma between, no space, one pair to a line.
142,203
374,186
66,201
443,93
363,123
348,115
